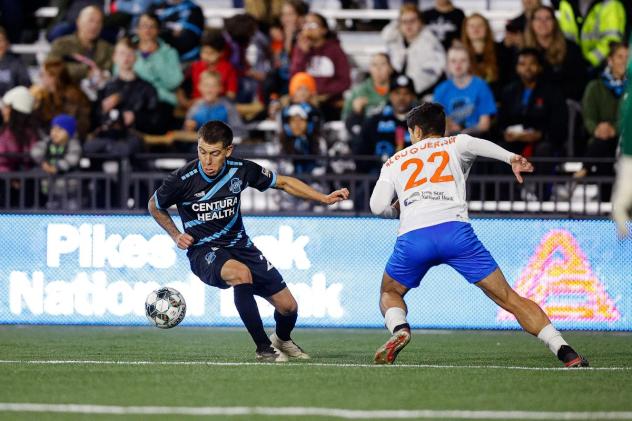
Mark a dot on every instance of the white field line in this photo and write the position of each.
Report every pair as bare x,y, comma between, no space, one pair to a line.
311,411
312,364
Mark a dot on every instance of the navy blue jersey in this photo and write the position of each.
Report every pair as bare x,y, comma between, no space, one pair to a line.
210,206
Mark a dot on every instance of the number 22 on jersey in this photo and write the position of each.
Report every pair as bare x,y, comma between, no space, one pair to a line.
442,157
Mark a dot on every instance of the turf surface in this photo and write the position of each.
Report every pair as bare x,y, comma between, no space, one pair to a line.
301,384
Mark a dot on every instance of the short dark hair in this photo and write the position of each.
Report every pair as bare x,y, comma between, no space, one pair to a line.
533,52
152,16
216,131
213,38
428,116
614,46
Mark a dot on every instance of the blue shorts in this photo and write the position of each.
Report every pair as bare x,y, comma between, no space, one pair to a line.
207,261
453,243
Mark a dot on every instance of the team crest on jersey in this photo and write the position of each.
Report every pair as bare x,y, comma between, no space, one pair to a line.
235,185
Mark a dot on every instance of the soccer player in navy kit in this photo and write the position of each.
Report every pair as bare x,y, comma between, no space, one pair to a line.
207,193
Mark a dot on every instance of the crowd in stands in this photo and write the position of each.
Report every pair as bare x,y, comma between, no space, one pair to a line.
151,67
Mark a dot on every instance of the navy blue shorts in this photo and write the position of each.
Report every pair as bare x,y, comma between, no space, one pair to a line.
453,243
207,261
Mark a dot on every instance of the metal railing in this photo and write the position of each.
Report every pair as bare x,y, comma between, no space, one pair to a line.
492,189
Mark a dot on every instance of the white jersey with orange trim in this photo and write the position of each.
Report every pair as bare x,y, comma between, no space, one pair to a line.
428,179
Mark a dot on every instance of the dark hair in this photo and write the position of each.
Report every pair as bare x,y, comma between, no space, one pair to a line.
429,117
213,38
531,52
323,22
20,124
241,28
216,131
152,16
300,7
614,46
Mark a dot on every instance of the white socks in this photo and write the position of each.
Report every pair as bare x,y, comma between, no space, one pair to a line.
394,317
552,338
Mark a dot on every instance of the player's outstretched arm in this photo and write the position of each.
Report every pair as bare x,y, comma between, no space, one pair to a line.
297,188
182,239
520,164
469,145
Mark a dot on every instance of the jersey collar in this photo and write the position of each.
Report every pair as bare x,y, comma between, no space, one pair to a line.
206,177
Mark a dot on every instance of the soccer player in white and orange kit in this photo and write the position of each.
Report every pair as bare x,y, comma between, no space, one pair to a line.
428,179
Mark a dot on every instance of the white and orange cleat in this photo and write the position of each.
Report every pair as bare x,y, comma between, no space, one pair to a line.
387,353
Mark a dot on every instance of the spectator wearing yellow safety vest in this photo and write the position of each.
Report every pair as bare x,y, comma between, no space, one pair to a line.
593,24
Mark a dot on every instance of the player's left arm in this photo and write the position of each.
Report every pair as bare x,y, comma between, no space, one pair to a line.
297,188
468,145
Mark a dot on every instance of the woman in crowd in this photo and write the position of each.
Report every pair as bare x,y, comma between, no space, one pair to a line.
318,52
57,94
158,64
414,49
372,93
490,61
600,104
564,63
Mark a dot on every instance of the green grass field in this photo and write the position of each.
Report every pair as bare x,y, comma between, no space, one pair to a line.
497,372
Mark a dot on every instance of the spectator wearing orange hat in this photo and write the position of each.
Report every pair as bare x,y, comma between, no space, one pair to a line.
318,53
302,90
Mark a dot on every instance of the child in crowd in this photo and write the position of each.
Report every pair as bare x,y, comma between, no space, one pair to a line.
212,58
212,106
58,154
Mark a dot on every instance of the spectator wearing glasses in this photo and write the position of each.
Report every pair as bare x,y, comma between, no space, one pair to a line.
318,52
414,50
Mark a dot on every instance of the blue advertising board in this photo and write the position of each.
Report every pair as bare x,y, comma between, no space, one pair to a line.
88,269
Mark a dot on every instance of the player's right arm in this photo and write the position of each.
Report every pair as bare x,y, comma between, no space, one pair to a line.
169,193
182,239
381,202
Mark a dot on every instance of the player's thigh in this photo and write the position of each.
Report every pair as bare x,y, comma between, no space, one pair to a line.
496,287
207,264
464,252
413,255
283,301
234,273
266,279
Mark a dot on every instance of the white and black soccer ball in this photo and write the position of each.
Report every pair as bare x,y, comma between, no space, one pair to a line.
165,307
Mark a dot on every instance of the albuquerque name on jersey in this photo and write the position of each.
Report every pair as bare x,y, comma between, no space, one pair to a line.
210,206
429,179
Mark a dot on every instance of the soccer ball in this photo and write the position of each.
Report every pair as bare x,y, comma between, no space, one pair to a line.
165,308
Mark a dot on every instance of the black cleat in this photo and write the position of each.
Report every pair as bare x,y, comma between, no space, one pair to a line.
570,358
